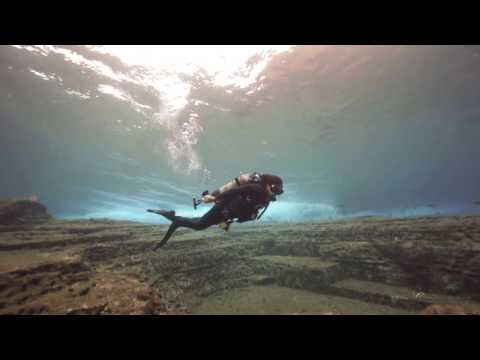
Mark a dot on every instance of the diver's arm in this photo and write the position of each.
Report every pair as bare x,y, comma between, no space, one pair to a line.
240,190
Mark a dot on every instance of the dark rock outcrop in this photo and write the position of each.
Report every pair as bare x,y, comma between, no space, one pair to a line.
21,212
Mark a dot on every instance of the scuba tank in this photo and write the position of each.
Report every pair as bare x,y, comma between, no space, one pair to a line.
253,178
238,181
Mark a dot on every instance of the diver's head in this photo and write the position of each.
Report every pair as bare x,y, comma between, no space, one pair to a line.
275,183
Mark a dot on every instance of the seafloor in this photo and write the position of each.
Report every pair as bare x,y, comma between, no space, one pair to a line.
364,266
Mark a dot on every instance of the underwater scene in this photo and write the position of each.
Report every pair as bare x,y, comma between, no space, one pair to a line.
240,179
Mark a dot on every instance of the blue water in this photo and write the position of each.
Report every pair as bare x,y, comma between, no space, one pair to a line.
353,130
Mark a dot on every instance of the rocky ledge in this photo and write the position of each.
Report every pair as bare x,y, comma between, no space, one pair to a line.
425,265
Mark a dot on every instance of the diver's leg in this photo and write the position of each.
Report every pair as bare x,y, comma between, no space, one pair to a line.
212,217
179,221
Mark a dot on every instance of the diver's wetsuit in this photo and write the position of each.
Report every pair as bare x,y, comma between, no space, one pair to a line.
242,203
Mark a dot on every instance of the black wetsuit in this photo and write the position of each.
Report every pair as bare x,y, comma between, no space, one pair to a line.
241,203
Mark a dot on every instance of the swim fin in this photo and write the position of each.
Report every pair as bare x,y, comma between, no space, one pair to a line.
168,214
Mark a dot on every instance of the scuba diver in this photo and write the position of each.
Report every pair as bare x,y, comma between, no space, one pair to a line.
241,202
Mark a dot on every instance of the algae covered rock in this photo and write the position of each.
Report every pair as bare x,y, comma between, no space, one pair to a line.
20,212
